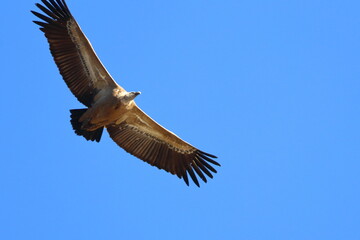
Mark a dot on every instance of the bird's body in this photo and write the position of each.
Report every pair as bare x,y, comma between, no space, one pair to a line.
109,105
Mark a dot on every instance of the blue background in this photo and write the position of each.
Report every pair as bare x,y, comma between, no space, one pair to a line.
271,87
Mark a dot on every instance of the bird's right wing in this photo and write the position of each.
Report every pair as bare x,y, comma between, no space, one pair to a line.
142,137
77,61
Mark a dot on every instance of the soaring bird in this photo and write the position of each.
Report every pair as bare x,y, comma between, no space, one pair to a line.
109,105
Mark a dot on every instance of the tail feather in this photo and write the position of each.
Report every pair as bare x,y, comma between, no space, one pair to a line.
77,126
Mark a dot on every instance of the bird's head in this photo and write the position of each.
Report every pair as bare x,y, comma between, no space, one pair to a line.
131,96
134,94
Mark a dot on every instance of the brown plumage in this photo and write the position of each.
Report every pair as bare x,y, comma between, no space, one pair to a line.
111,106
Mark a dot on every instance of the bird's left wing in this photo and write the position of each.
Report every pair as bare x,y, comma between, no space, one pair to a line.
142,137
77,61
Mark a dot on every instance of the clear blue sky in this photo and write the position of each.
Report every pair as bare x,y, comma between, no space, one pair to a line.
271,87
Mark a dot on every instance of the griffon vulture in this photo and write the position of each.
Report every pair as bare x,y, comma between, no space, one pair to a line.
111,106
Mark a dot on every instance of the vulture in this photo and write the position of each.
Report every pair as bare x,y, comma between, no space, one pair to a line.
110,106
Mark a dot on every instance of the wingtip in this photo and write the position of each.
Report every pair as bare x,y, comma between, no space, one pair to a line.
207,157
207,154
193,176
185,178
